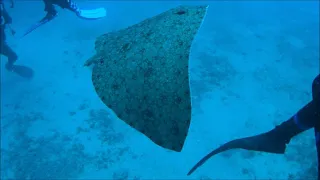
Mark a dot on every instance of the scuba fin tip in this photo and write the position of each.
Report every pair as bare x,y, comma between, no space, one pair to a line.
93,13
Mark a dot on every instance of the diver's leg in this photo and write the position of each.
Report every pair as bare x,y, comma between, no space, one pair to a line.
275,141
49,8
309,115
68,4
317,134
316,97
11,55
6,50
51,11
316,89
2,34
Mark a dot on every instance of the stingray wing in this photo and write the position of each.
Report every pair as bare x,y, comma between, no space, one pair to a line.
142,74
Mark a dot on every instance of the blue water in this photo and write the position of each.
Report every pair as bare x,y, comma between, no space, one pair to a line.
251,67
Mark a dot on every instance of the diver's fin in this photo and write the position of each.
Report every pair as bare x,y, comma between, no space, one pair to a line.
273,141
255,143
93,13
23,71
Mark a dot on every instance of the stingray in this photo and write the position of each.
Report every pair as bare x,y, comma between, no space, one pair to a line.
142,74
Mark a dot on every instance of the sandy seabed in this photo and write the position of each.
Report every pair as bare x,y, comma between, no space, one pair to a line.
251,67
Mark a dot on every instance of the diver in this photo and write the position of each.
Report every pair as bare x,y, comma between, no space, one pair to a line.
65,4
275,141
5,49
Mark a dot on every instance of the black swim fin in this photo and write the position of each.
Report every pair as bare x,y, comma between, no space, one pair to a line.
23,71
273,141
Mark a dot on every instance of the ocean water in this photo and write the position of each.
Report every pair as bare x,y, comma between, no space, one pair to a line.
251,68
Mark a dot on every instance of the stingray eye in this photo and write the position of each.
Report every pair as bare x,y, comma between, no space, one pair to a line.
126,47
180,12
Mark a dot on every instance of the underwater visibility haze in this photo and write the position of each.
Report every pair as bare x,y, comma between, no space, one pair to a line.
145,89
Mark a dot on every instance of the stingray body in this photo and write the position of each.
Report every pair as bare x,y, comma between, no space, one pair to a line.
141,73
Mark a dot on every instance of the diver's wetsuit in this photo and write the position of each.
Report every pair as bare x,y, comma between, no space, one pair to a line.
275,141
306,118
52,13
68,4
309,117
5,49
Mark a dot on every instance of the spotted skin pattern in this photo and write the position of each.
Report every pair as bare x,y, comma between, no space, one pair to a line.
142,74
